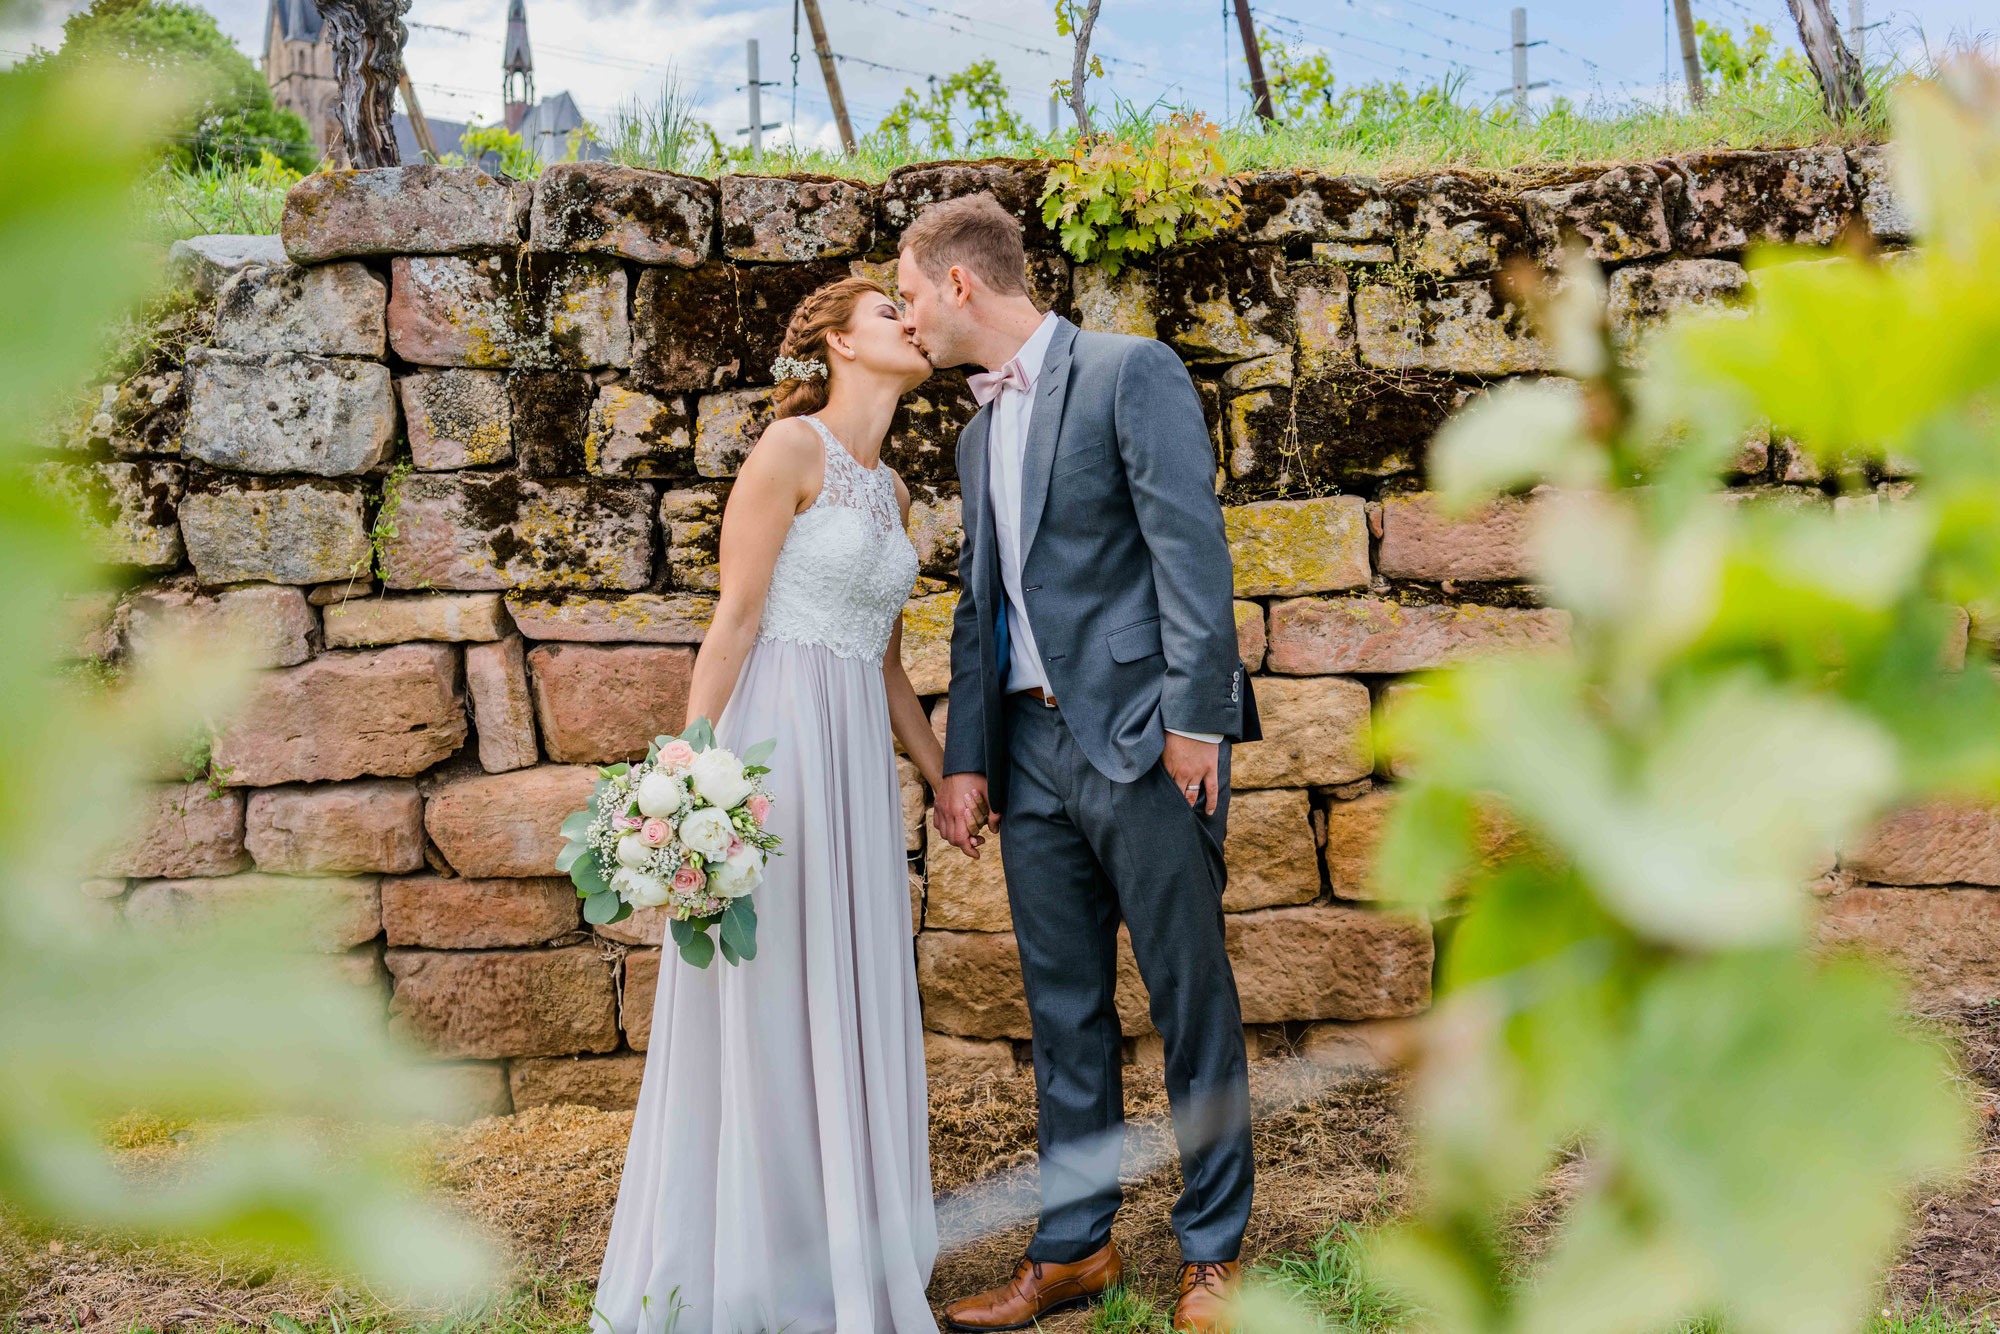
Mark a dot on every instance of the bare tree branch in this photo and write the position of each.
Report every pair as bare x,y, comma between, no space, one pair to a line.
1079,67
367,40
1838,72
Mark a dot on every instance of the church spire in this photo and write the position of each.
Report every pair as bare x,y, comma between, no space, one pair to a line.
517,86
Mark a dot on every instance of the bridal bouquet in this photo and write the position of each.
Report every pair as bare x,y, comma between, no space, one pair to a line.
683,829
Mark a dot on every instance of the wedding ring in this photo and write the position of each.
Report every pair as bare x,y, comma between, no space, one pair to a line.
1192,787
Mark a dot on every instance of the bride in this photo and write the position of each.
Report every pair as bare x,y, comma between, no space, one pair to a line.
778,1175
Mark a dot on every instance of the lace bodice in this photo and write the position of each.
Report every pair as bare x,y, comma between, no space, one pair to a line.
846,566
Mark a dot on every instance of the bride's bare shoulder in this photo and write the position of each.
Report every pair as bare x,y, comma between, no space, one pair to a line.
787,455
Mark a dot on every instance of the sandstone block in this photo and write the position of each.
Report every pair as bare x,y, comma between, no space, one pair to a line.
1226,303
1270,852
288,413
280,533
1297,546
1127,304
1273,372
390,712
1938,843
691,518
1644,297
450,617
1452,225
1329,962
1316,732
1420,542
937,529
498,530
1882,207
646,927
341,590
775,218
415,210
332,310
916,800
457,418
654,217
478,1088
450,913
503,714
1736,198
269,624
962,1060
178,831
923,435
727,426
506,824
1945,941
1016,183
529,310
1354,252
487,1003
1392,763
326,914
202,264
609,1083
631,434
1286,205
642,618
374,825
687,330
1353,832
961,894
970,982
1250,635
551,416
1310,636
1325,320
635,1002
927,642
127,509
1464,329
598,704
1620,215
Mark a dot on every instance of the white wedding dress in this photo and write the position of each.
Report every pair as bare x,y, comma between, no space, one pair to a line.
778,1175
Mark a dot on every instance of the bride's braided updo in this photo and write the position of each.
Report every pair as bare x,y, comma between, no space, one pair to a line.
804,368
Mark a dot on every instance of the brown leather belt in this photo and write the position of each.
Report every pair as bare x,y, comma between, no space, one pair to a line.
1039,695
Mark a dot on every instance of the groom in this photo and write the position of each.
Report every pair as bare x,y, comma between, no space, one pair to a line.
1095,689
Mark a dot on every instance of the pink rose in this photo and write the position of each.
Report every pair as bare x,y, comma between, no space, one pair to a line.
630,822
689,878
760,808
677,755
655,833
735,846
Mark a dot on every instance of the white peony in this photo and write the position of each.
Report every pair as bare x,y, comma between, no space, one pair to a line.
740,872
707,832
718,777
660,794
639,889
632,851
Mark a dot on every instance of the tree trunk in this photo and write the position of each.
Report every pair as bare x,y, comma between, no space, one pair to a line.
1838,72
367,40
1080,67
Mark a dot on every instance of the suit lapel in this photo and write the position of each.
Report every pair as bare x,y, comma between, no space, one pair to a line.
1044,426
974,487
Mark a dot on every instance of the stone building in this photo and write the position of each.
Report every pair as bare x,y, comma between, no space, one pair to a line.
298,64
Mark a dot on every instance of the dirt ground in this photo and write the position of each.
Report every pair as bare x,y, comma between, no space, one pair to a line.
544,1181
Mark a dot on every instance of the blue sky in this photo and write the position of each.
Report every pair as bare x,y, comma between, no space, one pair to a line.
606,52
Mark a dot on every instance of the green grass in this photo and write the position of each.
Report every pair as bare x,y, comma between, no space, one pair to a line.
1329,1284
1384,130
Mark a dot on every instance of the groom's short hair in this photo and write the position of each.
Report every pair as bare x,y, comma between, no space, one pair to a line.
975,233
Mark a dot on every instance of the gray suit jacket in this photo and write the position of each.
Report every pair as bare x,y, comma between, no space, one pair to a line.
1124,567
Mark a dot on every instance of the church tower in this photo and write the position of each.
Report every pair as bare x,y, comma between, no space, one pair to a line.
517,86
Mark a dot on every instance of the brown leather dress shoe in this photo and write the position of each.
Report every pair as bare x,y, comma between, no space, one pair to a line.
1036,1289
1207,1289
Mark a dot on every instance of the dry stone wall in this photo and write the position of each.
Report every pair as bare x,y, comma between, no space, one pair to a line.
454,465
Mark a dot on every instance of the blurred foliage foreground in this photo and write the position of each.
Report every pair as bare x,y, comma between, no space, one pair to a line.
1747,686
228,1024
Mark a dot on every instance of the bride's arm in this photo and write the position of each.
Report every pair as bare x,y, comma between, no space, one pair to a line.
776,481
906,711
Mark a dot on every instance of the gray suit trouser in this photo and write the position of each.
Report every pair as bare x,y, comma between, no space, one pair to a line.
1082,852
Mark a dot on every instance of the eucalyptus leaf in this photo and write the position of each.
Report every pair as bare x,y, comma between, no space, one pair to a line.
698,949
567,857
601,907
700,734
739,927
576,824
760,752
587,878
682,930
729,955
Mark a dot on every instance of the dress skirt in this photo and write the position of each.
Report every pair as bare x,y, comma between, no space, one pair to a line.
778,1174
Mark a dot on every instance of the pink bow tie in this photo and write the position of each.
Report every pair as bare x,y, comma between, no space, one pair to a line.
986,385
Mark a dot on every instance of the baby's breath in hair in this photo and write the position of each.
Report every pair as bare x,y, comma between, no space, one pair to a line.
797,368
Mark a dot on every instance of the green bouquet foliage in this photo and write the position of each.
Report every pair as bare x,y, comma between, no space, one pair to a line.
1748,686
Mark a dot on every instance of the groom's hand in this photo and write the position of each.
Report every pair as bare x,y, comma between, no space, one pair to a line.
1192,764
961,812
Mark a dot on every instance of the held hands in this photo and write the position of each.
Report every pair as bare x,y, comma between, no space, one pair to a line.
1192,765
962,811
